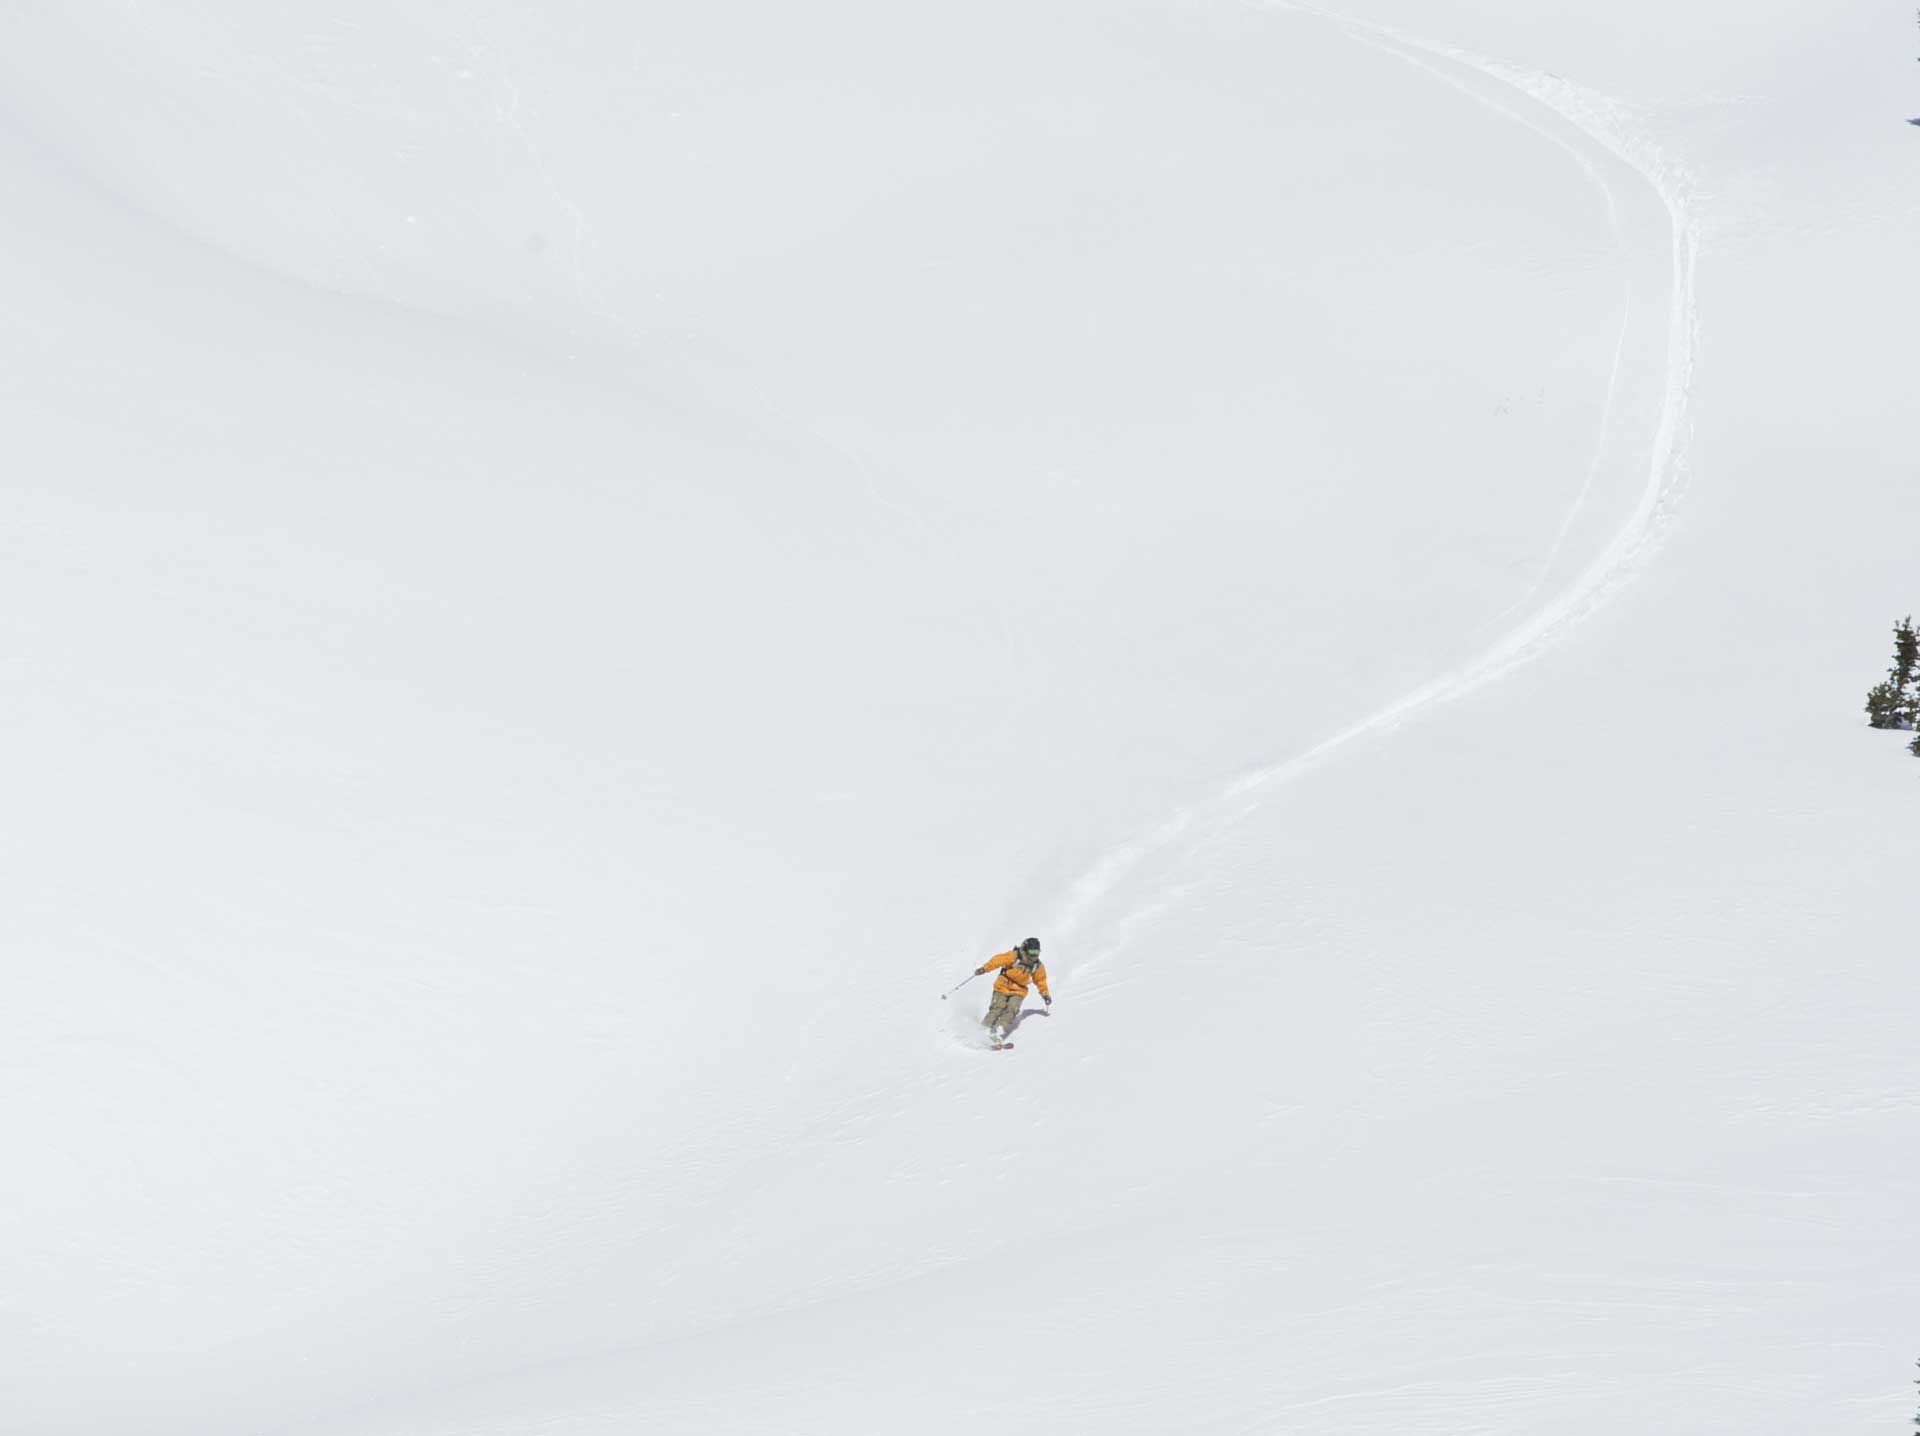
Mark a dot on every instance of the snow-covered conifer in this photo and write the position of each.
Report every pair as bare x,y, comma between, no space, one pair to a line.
1906,659
1883,706
1893,702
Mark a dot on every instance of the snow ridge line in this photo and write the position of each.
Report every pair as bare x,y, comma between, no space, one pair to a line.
1605,124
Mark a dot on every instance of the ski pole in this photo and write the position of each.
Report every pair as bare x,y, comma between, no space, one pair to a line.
955,988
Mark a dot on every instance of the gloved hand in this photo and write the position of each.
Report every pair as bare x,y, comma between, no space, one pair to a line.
1047,1000
979,972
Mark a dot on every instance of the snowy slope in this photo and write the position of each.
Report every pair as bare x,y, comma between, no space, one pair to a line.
569,570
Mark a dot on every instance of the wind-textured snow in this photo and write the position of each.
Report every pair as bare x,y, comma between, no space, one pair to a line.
567,568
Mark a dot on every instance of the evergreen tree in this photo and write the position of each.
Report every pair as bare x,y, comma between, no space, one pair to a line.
1883,706
1914,748
1906,657
1894,702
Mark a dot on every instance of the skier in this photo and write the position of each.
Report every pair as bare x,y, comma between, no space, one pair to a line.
1017,969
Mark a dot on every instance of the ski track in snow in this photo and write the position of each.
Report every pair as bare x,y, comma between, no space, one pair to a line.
1604,130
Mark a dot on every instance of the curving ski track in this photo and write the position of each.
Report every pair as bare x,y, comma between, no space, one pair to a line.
1601,129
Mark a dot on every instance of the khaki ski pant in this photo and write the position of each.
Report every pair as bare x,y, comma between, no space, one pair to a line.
1002,1011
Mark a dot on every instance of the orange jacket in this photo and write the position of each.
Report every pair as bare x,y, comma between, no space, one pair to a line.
1013,977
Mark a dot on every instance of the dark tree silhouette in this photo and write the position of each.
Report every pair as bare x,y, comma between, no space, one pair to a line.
1893,702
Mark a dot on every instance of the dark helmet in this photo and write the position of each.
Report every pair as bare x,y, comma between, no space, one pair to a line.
1031,947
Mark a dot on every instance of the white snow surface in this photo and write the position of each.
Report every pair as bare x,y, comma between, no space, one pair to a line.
566,568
